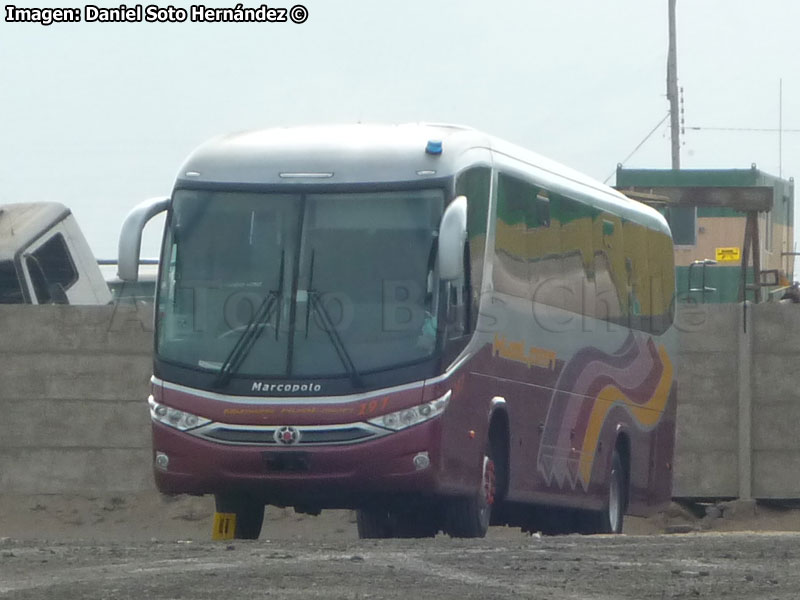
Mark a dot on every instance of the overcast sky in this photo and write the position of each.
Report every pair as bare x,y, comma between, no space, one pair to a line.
100,116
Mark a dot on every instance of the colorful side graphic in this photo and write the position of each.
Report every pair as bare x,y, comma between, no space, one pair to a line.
637,378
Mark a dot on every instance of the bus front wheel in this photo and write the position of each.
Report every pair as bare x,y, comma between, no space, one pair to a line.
470,517
373,523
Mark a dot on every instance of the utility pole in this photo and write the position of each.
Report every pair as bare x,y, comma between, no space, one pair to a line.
780,129
672,89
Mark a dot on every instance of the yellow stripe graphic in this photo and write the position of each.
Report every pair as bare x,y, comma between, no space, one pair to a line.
648,414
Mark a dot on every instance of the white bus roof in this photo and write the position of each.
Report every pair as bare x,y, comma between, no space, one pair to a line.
359,153
21,224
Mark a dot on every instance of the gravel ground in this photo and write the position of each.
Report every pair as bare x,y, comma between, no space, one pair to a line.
152,547
710,565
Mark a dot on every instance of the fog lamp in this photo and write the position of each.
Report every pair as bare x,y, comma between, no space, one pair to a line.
162,461
422,461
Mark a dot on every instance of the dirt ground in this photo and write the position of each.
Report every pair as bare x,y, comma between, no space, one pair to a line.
148,546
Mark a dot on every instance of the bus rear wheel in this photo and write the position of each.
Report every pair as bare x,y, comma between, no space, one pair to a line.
609,519
615,509
470,517
249,513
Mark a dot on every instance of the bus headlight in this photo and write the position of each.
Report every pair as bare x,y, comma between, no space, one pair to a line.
173,417
414,415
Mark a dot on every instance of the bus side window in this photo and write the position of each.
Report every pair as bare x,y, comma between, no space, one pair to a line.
636,256
541,210
578,270
512,254
610,276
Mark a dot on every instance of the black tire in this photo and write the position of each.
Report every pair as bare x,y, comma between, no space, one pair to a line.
381,523
470,517
558,521
249,513
609,520
422,523
373,523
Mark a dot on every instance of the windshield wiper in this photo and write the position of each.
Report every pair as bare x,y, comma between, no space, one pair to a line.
253,330
315,304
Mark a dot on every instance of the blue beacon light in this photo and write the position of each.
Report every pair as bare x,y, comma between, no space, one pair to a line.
434,147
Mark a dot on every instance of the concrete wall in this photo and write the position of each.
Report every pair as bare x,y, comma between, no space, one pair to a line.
739,402
74,380
776,401
73,388
706,445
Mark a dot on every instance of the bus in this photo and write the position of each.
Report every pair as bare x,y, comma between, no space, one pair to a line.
422,323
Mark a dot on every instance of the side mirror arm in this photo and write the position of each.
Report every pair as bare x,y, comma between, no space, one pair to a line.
130,238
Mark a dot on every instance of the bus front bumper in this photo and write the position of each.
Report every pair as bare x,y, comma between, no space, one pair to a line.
324,476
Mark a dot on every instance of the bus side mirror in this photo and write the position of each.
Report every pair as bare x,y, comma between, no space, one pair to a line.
452,235
130,238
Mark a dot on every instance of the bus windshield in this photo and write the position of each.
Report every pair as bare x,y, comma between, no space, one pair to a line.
288,285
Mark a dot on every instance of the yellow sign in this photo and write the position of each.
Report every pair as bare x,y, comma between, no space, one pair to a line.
729,254
224,526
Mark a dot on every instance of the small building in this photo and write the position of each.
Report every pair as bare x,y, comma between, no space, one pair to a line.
732,229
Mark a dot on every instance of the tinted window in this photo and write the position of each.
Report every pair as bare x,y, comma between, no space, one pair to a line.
514,201
683,223
51,270
571,255
333,283
10,290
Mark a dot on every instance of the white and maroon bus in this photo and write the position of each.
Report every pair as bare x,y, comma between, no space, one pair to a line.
423,323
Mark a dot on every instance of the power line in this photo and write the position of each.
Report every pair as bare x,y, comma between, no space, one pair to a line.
647,137
757,129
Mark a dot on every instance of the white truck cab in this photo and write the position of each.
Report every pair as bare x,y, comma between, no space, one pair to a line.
45,259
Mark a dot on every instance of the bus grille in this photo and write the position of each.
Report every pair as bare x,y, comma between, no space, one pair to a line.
306,435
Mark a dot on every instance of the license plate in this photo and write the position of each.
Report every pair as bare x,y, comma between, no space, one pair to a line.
286,462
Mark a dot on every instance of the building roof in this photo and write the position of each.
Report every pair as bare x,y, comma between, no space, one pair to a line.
737,189
659,178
